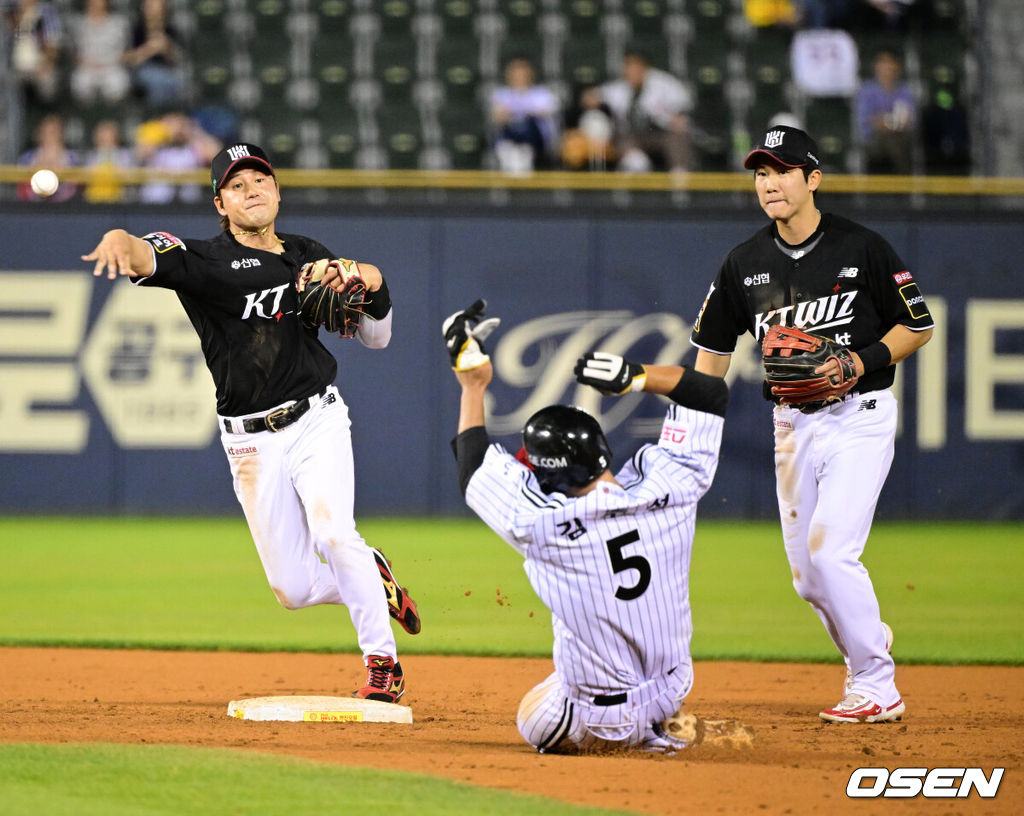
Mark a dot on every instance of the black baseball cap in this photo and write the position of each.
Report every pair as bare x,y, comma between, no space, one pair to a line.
235,156
785,145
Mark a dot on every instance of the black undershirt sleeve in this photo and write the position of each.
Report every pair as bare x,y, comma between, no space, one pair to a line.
469,448
379,302
701,392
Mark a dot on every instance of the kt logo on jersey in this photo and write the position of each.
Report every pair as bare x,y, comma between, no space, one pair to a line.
812,315
266,303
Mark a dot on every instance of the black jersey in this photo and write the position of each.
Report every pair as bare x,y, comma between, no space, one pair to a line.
844,282
244,305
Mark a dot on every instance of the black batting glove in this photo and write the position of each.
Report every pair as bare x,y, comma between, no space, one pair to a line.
609,373
464,334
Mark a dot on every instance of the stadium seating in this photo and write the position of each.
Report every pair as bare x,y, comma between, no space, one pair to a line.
404,83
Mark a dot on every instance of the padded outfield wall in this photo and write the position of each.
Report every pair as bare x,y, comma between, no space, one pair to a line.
106,405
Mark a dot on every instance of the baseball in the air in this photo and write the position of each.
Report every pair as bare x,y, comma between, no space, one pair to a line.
44,183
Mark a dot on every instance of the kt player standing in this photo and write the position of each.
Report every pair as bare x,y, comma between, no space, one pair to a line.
827,275
608,554
284,426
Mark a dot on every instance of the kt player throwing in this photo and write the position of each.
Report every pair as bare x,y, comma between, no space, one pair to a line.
284,426
608,554
827,275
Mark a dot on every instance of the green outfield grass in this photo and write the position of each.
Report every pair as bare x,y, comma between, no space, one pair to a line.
124,780
951,591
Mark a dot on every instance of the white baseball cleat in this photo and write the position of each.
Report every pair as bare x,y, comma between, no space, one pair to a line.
848,684
856,708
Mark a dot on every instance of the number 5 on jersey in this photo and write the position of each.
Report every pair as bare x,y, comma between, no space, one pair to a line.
621,563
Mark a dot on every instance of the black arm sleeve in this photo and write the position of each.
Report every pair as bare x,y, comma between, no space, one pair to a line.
701,392
469,448
378,303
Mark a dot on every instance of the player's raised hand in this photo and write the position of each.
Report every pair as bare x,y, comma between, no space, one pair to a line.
609,373
120,253
464,334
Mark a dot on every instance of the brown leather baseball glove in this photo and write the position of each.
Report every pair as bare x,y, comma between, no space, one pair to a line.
791,358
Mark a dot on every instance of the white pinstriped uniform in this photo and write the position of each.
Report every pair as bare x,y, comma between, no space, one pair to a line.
613,567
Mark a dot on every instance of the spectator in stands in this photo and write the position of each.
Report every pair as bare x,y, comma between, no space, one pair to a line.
947,143
155,56
101,39
588,139
38,36
523,118
796,13
887,117
651,110
51,153
765,13
108,154
174,142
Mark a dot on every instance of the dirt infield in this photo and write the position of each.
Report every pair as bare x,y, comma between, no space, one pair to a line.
464,710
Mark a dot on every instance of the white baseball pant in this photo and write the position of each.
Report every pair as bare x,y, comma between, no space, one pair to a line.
830,467
296,487
552,722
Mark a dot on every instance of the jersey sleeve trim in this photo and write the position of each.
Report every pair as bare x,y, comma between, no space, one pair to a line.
638,467
137,279
711,350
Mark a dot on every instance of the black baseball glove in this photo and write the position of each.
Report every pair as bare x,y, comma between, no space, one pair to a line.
791,358
336,309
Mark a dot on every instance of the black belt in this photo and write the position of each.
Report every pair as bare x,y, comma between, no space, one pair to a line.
276,420
620,697
610,699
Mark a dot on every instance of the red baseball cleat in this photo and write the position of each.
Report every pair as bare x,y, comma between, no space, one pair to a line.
385,681
401,606
855,708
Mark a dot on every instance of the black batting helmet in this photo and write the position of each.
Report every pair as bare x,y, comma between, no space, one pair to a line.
565,447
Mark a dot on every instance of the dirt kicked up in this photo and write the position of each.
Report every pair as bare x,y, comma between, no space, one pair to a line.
464,726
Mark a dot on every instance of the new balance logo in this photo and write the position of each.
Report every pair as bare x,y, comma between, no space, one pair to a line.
867,405
848,272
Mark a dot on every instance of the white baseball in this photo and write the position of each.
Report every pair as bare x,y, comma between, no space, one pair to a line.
44,183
